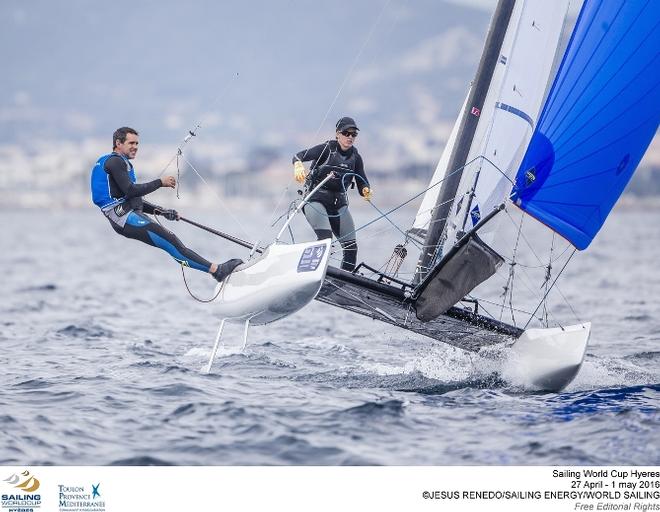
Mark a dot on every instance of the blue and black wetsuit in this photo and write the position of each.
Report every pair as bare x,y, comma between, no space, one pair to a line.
115,190
327,212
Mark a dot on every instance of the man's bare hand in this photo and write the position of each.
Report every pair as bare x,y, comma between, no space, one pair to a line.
168,181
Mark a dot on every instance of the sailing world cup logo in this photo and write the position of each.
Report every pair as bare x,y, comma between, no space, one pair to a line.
28,482
23,495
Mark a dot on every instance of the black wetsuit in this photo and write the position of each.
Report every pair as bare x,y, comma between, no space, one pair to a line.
129,219
327,211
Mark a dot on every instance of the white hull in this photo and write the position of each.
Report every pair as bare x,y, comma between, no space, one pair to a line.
282,280
276,284
548,359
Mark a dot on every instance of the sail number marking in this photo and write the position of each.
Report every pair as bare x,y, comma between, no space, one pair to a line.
311,258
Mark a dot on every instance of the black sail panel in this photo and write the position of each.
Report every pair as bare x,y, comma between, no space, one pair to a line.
462,271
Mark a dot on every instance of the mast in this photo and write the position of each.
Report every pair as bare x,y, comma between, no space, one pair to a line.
469,122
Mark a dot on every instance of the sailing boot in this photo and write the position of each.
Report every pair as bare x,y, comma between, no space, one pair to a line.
226,268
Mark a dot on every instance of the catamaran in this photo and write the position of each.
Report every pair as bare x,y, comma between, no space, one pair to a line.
552,135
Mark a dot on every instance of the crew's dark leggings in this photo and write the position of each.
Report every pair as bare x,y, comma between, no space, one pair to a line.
326,221
140,227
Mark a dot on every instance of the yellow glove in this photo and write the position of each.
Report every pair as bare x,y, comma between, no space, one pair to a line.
366,193
299,171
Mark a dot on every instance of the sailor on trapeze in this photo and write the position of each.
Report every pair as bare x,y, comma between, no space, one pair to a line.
116,192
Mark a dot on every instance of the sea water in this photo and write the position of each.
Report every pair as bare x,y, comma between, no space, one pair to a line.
103,351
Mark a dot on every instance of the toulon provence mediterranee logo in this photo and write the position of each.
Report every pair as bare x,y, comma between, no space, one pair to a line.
80,498
23,495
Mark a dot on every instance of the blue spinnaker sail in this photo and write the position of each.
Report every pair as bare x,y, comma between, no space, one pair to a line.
600,116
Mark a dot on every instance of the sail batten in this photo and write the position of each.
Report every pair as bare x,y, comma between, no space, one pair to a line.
591,135
515,111
615,96
561,80
599,91
567,167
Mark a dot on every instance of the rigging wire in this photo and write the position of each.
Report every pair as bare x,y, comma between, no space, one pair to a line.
193,133
481,301
553,260
508,287
551,287
529,246
398,207
198,299
382,215
524,279
220,200
548,275
185,282
350,69
566,301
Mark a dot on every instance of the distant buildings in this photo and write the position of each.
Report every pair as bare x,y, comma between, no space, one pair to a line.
56,174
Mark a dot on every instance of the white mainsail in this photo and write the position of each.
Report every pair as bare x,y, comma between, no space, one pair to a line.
506,121
511,111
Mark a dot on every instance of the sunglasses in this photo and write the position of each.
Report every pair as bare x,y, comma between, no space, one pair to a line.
346,133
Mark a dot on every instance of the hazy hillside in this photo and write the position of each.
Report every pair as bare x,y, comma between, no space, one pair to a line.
251,70
264,79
